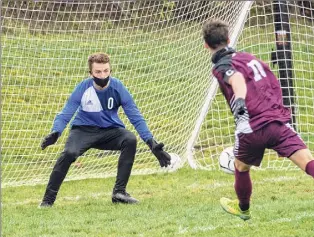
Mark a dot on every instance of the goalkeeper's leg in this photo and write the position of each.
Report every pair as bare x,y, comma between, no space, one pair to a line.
57,176
77,143
125,141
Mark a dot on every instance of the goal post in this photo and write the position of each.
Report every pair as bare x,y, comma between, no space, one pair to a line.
212,90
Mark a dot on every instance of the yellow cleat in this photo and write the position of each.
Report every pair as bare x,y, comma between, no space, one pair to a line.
232,207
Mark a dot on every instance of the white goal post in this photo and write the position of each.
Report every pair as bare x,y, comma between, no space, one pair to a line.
156,48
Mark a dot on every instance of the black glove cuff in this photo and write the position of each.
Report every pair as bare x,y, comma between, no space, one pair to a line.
151,143
56,132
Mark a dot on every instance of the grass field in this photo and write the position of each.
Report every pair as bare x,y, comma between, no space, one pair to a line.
184,203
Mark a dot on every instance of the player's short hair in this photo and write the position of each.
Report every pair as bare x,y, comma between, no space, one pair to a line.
216,33
97,58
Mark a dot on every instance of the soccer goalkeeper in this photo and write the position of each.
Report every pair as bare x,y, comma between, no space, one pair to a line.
254,96
96,101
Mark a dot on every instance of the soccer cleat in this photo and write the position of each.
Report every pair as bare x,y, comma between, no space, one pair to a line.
232,207
123,197
45,205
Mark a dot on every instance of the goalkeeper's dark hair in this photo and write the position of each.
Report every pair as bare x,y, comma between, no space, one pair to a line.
97,58
216,33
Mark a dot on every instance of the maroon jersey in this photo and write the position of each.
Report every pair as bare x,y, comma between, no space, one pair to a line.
263,100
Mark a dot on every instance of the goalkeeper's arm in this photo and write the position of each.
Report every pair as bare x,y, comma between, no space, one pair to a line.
63,118
140,125
157,149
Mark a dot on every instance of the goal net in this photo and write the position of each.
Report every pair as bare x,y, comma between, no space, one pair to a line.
156,48
273,29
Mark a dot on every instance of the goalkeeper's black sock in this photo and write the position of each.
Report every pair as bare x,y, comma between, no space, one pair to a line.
125,164
55,181
50,196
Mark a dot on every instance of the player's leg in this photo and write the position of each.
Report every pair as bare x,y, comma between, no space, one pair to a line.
243,188
125,141
80,139
249,150
304,159
289,144
243,184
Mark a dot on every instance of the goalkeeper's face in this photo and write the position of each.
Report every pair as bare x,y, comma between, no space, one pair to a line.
100,70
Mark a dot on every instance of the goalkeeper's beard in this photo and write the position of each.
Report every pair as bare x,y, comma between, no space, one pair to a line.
101,82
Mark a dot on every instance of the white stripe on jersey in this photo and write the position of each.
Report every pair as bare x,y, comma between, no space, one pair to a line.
236,144
232,101
90,101
243,126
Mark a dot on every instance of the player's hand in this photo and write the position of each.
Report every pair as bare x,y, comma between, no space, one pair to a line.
157,149
50,139
239,108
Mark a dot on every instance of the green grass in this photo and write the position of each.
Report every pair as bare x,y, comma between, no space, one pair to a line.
184,203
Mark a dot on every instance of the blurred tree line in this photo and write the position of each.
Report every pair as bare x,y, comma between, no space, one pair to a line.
82,15
61,15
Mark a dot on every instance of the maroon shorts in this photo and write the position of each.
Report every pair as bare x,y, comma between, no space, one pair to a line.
250,147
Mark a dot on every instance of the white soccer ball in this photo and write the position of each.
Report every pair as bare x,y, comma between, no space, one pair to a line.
226,160
175,162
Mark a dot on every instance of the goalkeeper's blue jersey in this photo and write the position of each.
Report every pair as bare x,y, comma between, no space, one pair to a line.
100,108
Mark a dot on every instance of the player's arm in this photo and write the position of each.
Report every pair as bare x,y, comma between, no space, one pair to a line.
63,118
225,71
138,121
238,84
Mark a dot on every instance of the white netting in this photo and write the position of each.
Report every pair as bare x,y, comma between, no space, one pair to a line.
258,37
156,49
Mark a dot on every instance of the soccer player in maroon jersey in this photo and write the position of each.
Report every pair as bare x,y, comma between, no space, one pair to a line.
254,96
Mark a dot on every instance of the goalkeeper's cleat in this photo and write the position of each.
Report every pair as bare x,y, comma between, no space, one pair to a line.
123,197
232,207
45,205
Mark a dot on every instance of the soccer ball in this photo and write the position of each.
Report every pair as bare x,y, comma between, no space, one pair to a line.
226,160
175,162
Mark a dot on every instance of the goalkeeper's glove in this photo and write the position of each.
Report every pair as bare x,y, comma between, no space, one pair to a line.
50,139
239,108
157,149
